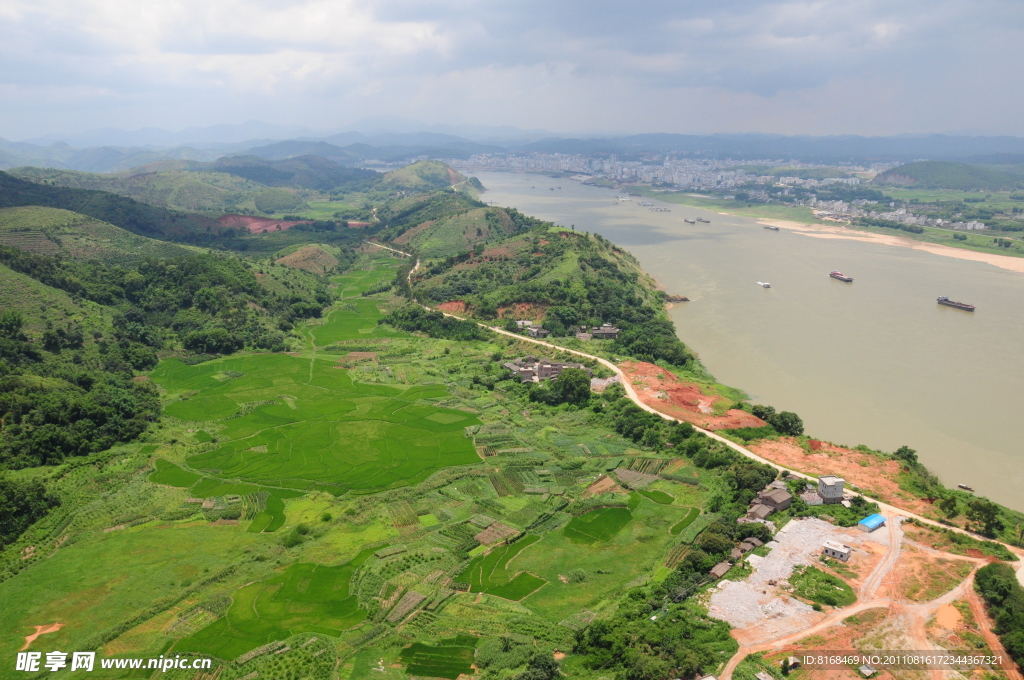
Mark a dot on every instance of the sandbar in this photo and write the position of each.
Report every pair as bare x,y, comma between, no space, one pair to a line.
838,231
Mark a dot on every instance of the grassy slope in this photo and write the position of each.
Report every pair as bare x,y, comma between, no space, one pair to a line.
53,231
459,233
136,217
175,189
40,304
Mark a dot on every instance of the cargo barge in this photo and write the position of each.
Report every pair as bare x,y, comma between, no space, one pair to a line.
956,305
841,276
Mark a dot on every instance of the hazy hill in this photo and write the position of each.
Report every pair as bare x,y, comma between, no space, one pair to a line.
949,175
127,213
307,172
52,231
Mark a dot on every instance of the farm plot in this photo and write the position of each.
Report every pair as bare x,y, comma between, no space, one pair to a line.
490,574
678,527
659,497
632,553
301,424
450,659
306,598
356,281
597,526
352,320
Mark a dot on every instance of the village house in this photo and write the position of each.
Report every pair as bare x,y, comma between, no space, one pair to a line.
836,550
830,488
537,331
604,332
776,499
532,369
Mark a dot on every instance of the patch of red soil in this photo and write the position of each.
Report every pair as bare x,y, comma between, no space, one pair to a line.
41,630
453,307
814,444
862,469
255,225
453,177
665,392
523,310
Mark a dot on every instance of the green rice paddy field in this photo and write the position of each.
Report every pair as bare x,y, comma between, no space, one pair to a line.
300,423
306,598
631,542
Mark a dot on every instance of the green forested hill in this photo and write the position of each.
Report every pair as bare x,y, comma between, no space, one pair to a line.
52,231
949,175
129,214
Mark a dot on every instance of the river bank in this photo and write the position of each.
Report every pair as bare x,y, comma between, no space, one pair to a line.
840,231
875,362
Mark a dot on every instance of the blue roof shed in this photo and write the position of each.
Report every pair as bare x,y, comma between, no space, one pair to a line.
871,522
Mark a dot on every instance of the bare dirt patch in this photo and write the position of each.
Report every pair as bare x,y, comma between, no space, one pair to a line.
948,617
686,401
496,533
633,479
41,630
603,484
861,469
362,355
922,577
256,225
453,307
310,259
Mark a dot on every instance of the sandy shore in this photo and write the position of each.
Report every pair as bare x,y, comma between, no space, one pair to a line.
838,231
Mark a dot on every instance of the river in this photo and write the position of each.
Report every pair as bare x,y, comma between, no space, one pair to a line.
875,362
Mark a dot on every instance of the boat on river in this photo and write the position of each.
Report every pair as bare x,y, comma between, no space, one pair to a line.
764,284
965,487
770,227
689,221
954,304
841,276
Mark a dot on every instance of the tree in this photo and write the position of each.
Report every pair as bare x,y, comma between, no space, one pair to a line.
572,386
787,422
950,506
984,514
11,323
906,454
541,667
762,412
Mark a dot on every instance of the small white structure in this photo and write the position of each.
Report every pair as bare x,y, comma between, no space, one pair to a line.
867,670
836,550
830,488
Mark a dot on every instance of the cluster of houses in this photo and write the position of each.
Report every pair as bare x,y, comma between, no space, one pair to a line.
776,497
748,544
532,369
605,331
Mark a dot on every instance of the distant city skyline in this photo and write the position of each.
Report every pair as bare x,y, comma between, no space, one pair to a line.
780,66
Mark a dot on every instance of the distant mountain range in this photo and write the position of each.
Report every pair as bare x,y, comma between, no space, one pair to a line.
397,140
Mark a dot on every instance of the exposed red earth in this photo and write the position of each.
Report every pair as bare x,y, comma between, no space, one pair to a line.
666,393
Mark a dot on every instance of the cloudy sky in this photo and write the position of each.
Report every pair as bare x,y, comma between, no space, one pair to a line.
786,66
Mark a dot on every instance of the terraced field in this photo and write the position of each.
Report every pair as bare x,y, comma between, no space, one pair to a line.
306,598
490,573
296,423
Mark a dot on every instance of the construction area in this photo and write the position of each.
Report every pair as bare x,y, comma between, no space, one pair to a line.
889,593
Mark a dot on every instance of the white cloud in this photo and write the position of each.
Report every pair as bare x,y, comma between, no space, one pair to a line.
820,66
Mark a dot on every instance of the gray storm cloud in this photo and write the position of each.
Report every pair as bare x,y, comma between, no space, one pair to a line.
816,67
